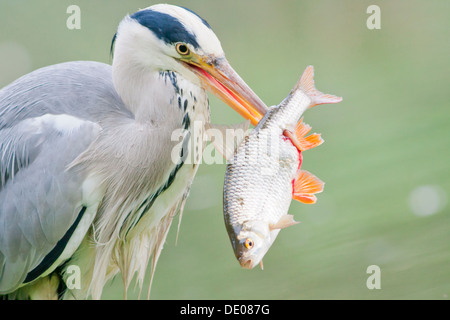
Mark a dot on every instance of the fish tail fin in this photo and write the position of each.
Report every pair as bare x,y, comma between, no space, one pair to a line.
306,185
306,83
309,142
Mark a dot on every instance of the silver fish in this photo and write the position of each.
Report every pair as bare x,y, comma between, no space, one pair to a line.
263,175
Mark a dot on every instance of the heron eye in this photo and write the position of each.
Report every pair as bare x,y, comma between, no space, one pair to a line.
248,243
182,49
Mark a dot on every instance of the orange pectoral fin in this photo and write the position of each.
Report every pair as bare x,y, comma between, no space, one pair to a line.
284,222
305,186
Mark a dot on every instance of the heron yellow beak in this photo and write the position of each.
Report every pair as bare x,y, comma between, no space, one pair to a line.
219,77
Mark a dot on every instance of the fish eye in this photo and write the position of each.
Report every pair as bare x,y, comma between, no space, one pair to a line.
249,243
182,49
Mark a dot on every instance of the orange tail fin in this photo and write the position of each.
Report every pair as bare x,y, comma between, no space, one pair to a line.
307,84
305,186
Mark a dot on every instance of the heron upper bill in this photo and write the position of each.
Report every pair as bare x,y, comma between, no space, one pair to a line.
220,78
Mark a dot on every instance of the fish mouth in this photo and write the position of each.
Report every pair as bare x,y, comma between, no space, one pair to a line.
250,263
246,263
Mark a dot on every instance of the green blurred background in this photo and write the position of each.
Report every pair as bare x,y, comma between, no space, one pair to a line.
385,161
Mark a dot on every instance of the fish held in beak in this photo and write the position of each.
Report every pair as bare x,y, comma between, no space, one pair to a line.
255,205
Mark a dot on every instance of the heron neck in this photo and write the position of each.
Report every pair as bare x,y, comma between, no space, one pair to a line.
138,87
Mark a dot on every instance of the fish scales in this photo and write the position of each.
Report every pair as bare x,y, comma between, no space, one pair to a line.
260,179
246,201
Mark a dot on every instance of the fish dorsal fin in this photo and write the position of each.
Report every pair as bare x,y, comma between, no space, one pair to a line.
284,222
226,138
305,186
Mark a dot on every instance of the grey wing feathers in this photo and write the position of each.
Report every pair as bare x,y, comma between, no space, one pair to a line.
40,203
47,119
83,89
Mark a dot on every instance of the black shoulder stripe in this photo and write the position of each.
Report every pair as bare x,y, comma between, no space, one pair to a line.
113,42
53,255
148,203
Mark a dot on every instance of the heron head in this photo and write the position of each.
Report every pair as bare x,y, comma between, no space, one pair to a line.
170,38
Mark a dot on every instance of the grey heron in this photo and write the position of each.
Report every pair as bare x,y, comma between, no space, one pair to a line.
86,174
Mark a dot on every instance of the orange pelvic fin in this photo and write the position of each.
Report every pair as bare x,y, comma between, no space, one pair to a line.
300,141
306,82
308,142
305,186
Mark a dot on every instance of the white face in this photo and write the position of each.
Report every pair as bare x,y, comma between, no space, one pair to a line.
144,48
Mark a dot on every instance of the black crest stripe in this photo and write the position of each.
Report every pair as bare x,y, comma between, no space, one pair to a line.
165,27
